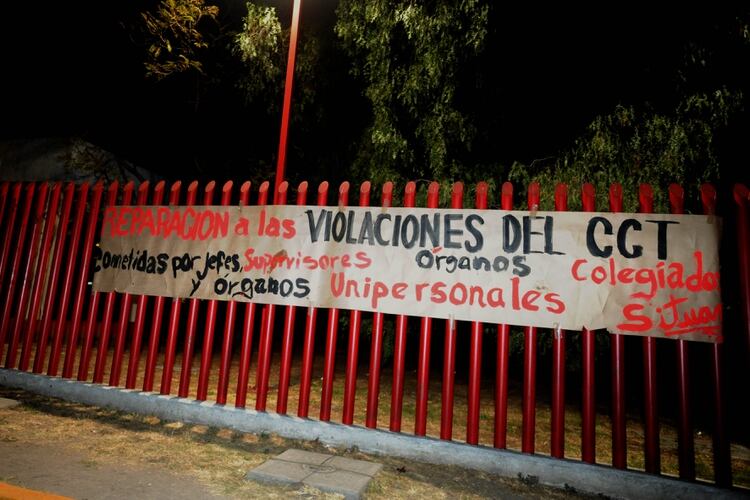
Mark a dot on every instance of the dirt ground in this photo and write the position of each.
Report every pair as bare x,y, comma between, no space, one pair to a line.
90,452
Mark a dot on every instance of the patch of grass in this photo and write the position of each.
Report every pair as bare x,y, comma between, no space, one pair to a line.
89,463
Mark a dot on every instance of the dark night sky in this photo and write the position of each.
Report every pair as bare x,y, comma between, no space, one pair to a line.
75,69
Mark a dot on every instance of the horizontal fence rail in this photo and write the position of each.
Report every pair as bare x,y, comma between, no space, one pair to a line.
427,368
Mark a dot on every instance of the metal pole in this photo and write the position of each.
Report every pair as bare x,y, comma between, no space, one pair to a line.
528,418
557,435
281,162
619,436
588,347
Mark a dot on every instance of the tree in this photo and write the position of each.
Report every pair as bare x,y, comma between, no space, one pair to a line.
259,46
676,138
632,146
175,37
409,56
234,64
262,45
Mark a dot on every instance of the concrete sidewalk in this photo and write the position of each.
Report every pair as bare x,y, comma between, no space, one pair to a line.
57,469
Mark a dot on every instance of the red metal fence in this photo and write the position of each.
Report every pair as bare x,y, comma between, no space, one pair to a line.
50,312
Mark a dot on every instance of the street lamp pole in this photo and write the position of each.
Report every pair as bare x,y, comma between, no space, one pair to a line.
281,161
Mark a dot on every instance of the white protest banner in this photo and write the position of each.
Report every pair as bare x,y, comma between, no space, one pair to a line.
643,274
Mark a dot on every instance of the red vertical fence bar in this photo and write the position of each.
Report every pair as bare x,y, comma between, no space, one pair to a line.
156,317
6,246
140,308
326,393
90,325
287,341
650,403
174,312
12,201
211,310
263,370
91,320
425,345
5,258
225,361
741,195
619,438
685,444
248,326
39,276
266,330
192,319
83,278
475,352
399,348
355,325
501,355
557,431
376,344
222,386
5,195
67,285
449,348
36,232
285,366
721,451
249,319
126,301
7,238
14,198
89,333
55,268
308,348
4,188
109,301
528,411
588,350
18,241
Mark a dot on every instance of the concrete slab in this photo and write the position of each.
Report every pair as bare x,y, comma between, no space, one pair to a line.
8,403
358,466
303,457
343,482
279,472
325,472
